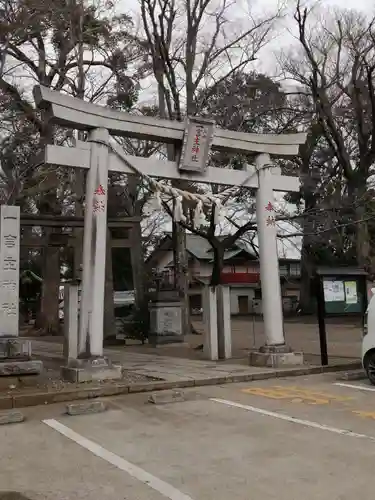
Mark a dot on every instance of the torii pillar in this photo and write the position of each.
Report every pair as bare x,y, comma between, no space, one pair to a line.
275,352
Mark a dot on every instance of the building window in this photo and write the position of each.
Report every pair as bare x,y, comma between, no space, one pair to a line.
283,270
295,269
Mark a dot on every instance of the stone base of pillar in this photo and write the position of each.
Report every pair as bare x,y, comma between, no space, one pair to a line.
89,370
15,358
275,357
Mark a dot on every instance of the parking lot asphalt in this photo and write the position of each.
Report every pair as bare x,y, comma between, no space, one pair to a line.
307,437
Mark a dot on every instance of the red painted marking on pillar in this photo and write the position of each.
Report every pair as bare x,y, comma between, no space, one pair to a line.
100,191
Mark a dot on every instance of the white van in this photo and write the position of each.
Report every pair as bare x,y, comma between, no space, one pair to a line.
368,341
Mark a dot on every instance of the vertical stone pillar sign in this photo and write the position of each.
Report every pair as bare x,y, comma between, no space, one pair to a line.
15,352
9,270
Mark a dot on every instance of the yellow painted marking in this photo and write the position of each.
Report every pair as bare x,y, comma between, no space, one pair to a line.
365,414
295,394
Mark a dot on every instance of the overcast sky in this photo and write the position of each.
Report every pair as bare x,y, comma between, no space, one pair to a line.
267,58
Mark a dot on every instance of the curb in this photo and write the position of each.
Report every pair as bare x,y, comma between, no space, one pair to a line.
43,398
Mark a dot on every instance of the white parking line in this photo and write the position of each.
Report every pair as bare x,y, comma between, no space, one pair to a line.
352,386
153,482
294,420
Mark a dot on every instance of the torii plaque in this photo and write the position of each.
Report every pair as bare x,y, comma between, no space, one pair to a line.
96,156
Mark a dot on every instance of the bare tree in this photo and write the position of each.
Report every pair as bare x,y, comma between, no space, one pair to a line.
61,45
191,52
335,67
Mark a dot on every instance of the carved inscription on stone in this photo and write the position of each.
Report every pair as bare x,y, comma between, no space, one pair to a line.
168,321
9,269
197,144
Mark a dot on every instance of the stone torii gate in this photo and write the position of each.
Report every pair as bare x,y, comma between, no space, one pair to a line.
99,157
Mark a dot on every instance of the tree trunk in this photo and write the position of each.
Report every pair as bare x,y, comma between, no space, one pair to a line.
109,326
218,265
79,175
357,191
307,257
308,190
362,236
181,273
178,232
216,275
137,262
48,318
49,203
78,232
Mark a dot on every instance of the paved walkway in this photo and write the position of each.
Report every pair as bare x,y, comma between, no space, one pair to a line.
141,373
171,369
155,366
344,340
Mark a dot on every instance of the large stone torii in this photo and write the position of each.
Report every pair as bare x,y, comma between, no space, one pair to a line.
98,159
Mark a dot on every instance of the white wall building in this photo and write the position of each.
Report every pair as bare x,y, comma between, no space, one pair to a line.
241,272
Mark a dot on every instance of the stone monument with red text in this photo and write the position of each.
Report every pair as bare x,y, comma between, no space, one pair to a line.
15,352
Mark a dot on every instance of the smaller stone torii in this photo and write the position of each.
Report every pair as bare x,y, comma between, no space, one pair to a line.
100,156
128,226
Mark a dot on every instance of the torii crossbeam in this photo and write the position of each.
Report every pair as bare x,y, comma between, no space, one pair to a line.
95,156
